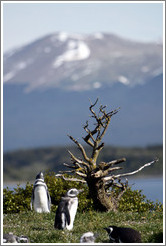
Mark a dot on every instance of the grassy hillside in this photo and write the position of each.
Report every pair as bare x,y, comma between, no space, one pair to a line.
30,162
39,227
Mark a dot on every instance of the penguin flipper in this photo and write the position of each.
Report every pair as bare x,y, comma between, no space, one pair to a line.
32,199
60,222
67,214
49,199
62,215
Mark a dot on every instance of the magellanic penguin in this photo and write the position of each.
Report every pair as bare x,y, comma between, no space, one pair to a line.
88,237
40,199
10,238
123,235
23,239
66,211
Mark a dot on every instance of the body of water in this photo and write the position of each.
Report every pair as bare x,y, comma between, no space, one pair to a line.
152,187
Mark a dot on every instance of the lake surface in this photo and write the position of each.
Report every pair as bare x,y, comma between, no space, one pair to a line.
152,187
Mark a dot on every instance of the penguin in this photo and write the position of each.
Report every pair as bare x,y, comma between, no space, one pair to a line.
66,211
23,239
123,235
40,199
10,238
88,237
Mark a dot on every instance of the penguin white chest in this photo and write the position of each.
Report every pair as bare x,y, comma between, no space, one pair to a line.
41,200
73,205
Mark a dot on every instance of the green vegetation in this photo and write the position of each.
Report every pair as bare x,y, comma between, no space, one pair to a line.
30,162
40,227
19,199
134,211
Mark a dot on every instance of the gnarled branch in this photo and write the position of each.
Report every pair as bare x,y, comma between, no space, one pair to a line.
131,173
114,162
76,161
80,147
70,179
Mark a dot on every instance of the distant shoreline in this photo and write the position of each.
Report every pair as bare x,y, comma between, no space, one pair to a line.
151,186
131,177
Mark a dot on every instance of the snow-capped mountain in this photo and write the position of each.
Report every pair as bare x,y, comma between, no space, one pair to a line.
47,84
82,62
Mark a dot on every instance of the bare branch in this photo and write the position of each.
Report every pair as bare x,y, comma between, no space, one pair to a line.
100,147
76,165
107,118
80,147
113,112
90,135
103,173
104,127
114,162
92,105
87,140
70,179
98,174
69,166
111,169
81,174
123,188
136,171
131,173
76,161
70,171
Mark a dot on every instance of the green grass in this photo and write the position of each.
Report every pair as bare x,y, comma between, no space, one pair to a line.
40,227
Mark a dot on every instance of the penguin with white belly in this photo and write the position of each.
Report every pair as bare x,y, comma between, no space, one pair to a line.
66,210
40,199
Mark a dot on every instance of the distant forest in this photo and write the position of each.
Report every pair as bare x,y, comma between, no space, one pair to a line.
23,165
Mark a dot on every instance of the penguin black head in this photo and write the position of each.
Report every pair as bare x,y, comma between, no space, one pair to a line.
112,232
88,237
110,229
40,176
73,192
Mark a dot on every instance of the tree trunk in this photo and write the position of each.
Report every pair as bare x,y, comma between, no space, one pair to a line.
101,200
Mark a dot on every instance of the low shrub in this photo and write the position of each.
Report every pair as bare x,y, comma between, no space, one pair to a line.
134,200
18,200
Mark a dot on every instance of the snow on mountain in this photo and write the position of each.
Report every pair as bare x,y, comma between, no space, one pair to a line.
75,51
82,62
120,72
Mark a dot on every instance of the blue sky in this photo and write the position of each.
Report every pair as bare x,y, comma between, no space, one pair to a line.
24,22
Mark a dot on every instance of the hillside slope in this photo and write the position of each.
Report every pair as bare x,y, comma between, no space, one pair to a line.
30,162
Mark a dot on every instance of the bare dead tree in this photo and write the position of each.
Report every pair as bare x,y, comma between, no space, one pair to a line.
99,176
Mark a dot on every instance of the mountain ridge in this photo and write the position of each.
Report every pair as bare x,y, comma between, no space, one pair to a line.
41,112
82,62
